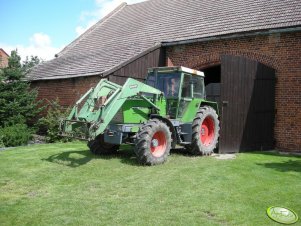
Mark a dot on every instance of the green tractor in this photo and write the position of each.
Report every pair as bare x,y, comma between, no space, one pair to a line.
169,109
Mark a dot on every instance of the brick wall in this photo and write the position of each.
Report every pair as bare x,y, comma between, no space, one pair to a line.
68,91
279,51
3,59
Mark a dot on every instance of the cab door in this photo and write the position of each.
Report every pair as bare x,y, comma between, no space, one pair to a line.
185,95
192,94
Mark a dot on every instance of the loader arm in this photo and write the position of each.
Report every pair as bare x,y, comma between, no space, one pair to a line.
101,105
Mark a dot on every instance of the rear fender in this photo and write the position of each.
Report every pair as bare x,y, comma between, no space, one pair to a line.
211,104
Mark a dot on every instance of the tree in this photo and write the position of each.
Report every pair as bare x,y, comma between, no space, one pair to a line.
28,64
17,100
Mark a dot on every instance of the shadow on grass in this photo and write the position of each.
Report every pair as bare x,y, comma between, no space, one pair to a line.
70,158
126,155
285,166
79,158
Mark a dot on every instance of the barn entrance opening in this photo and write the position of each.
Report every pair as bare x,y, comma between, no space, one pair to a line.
213,83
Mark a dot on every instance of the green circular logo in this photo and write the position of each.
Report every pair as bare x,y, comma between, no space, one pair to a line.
282,215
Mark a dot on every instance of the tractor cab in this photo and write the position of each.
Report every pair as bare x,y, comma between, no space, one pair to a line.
180,86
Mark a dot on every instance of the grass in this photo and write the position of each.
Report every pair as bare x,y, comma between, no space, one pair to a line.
63,184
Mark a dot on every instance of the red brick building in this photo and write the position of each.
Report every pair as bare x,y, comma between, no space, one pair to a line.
249,50
3,58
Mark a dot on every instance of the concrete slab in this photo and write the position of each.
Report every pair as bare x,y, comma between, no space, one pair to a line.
224,156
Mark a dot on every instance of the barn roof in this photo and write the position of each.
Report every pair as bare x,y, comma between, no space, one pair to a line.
130,30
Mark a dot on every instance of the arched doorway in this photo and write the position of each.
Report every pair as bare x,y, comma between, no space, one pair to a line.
245,91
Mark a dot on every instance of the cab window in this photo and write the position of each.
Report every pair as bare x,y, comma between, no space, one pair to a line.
169,84
186,87
198,86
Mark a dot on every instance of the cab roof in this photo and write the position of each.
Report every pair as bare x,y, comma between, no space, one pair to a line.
176,69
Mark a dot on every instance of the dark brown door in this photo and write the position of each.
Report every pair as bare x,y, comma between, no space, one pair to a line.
248,103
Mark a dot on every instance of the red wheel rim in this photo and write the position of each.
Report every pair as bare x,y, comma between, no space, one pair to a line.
158,144
207,131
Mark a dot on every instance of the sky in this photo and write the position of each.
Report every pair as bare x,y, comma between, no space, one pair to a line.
44,27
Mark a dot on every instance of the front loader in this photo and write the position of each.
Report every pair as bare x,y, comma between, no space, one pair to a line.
169,109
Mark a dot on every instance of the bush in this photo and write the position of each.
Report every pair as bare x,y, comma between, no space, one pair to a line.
51,121
14,135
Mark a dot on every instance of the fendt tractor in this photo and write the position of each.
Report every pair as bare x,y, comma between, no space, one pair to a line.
169,109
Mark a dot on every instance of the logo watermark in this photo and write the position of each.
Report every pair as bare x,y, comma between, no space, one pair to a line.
282,215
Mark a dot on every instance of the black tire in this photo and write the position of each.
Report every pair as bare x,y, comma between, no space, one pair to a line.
205,132
99,147
153,142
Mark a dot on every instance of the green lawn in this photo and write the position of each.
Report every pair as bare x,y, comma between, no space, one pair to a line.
63,184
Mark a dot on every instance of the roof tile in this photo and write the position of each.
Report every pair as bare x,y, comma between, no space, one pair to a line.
131,29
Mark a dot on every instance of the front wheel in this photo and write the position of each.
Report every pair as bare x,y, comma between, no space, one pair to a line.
205,132
153,142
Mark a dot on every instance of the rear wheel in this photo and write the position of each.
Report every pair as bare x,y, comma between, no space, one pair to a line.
205,132
153,142
99,147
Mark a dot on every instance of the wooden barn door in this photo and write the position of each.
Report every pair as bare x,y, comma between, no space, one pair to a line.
248,103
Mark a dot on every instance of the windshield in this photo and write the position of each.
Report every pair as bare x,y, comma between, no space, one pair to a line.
168,83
